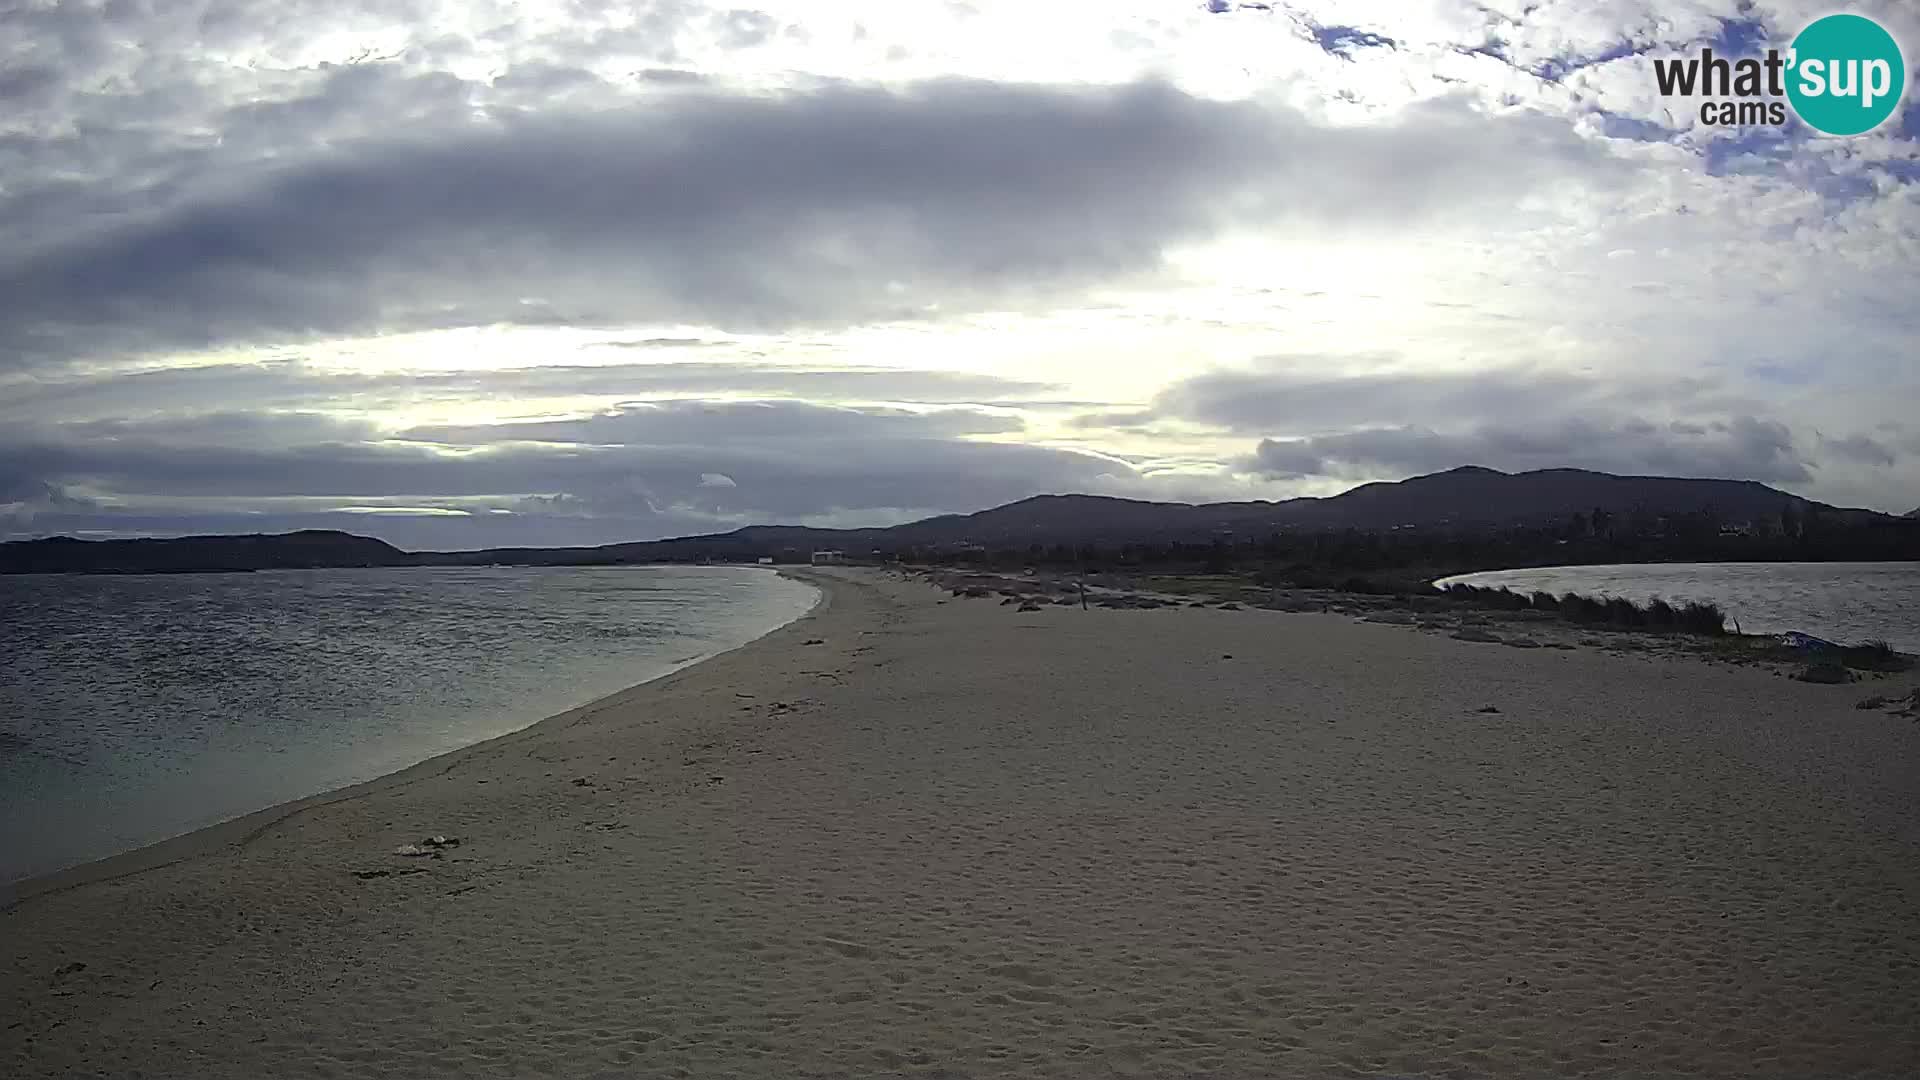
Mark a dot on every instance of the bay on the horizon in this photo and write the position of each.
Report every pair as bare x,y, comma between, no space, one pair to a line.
135,708
1844,602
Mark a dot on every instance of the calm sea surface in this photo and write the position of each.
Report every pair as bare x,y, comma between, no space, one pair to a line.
137,708
1844,602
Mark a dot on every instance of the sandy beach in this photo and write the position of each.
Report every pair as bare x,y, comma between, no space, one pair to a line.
912,835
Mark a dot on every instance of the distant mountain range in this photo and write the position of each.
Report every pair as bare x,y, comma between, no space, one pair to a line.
1469,498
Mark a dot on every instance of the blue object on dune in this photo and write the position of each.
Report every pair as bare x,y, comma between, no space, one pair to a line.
1794,639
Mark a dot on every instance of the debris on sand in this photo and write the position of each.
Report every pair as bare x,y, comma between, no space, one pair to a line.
1825,671
369,875
1900,706
433,847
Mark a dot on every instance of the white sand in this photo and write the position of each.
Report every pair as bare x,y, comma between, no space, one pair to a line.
958,841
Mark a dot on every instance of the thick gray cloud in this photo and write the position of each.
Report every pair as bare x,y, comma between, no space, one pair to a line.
822,206
224,428
673,422
1742,448
1321,424
1301,394
291,385
654,474
232,173
1252,402
1861,449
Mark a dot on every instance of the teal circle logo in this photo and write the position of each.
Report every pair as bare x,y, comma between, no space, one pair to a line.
1845,75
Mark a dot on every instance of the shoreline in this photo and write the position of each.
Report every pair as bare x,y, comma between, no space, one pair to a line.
237,832
1723,594
1519,623
914,835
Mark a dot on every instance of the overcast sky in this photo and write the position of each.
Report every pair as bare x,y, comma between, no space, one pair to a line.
462,274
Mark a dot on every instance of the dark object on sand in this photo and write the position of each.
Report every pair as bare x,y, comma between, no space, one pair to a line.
1825,671
433,847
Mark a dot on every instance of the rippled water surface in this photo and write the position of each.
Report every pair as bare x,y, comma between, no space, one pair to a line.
1845,602
140,707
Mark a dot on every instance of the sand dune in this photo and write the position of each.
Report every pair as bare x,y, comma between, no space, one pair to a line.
956,840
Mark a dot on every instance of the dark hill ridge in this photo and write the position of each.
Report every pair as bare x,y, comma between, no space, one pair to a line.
306,549
1466,499
1470,497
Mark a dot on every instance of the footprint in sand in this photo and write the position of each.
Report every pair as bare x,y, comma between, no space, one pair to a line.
852,949
1021,973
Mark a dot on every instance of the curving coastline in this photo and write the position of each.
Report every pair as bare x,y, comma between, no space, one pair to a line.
913,835
244,828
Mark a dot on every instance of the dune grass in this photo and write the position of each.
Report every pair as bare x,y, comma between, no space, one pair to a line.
1614,611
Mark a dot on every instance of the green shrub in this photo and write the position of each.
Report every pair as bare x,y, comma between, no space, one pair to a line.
1624,612
1613,611
1584,608
1873,656
1701,618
